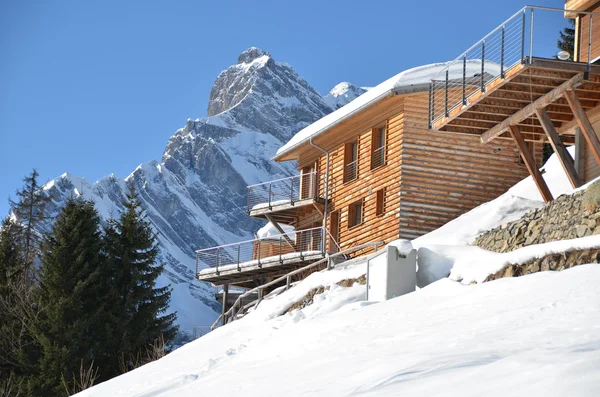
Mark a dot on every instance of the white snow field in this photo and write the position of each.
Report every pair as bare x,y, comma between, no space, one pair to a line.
537,335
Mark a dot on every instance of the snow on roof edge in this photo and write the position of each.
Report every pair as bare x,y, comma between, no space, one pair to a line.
402,82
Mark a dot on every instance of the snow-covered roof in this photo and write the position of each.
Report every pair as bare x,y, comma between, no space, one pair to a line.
414,79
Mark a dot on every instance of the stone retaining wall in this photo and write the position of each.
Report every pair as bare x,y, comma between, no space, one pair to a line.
567,217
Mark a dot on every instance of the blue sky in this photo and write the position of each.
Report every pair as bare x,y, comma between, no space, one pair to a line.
98,87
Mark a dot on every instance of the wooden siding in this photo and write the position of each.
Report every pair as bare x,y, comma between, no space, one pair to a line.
429,177
373,227
445,174
584,35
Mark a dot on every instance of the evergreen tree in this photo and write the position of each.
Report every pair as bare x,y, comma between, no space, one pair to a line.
10,254
29,210
11,324
132,247
75,325
566,42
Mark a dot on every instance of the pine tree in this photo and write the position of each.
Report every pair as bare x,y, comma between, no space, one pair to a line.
140,305
566,42
74,328
29,210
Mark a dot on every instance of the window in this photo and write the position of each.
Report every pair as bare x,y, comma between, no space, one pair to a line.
350,161
378,147
380,202
355,214
308,182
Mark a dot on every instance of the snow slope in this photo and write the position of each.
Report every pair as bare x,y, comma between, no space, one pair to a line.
537,335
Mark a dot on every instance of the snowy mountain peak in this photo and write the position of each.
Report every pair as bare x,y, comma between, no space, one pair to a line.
251,54
195,197
342,94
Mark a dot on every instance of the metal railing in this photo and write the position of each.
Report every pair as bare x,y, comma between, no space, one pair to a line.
378,157
278,247
350,171
531,32
200,330
284,191
239,307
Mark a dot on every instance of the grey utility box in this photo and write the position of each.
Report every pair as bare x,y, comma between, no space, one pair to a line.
392,275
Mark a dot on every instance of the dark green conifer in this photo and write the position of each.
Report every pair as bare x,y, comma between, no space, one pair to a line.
141,305
74,325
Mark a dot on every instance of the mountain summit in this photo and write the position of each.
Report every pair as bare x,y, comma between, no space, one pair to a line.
195,196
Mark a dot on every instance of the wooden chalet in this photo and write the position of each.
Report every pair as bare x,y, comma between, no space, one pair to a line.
426,146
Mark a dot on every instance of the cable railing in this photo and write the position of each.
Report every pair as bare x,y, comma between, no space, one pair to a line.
273,248
378,157
531,32
284,191
350,169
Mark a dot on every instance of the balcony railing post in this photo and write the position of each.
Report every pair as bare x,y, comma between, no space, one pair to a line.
292,191
589,60
531,38
523,36
218,257
280,249
502,54
483,66
270,192
464,81
432,102
447,78
430,118
259,254
238,257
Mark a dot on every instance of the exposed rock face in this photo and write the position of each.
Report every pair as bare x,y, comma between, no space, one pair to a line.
564,218
196,196
554,262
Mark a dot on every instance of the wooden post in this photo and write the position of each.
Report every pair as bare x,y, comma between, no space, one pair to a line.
225,297
559,148
584,123
280,230
530,163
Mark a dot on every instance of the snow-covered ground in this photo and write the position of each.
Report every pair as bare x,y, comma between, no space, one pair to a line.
537,335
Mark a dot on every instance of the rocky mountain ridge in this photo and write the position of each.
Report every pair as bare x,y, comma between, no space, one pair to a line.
195,196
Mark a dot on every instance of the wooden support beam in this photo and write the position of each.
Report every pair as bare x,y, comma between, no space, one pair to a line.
559,148
280,230
530,109
592,114
529,160
584,123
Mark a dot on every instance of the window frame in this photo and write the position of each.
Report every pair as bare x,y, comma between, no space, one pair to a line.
358,204
381,131
348,154
380,196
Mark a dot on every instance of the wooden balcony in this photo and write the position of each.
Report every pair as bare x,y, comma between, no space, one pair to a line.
287,200
245,263
519,96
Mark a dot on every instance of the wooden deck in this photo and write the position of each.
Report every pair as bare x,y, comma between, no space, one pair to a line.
523,86
289,212
249,276
539,101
